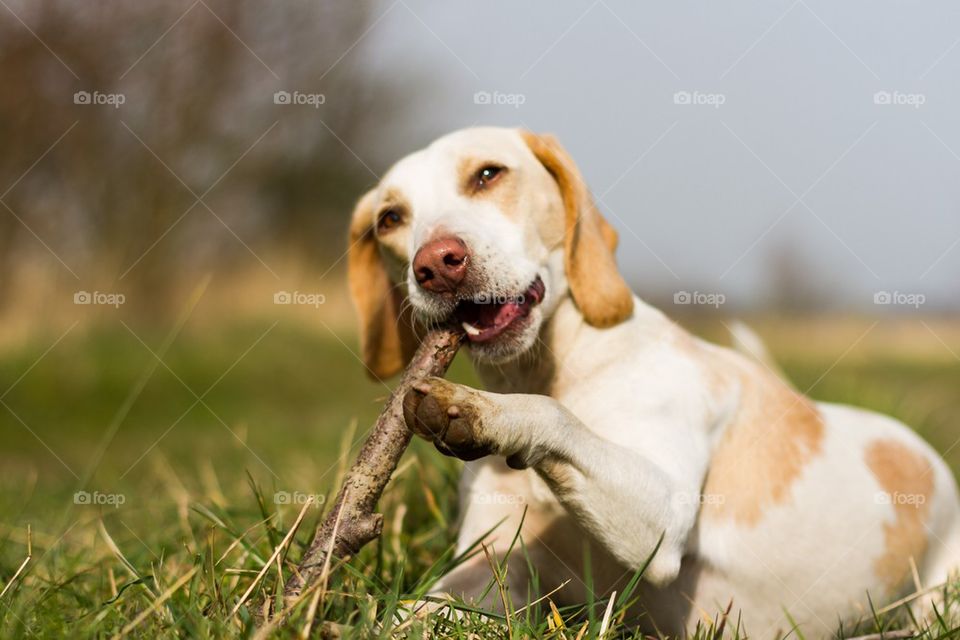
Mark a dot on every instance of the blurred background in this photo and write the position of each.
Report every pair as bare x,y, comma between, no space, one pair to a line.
176,180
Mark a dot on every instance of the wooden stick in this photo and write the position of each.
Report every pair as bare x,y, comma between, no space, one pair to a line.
364,483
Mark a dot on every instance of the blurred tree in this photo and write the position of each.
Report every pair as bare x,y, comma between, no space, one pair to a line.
792,282
112,190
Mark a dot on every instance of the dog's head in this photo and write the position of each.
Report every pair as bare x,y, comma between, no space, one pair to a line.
488,227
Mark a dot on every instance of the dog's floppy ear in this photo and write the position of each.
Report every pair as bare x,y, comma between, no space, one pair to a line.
596,285
387,340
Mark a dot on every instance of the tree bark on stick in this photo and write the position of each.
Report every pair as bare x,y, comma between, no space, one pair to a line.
353,521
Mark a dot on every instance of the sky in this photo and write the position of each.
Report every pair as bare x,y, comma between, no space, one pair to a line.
721,138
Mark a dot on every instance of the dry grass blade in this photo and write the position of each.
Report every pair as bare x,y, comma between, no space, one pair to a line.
325,572
276,553
907,599
718,631
553,607
239,540
583,631
316,590
501,589
887,635
115,550
556,618
311,615
266,629
23,565
607,615
155,606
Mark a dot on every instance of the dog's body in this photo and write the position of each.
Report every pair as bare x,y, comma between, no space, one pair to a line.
608,426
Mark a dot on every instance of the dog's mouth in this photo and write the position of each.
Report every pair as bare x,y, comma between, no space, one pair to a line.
486,316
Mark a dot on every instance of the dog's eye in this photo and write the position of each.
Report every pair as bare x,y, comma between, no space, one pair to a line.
487,175
389,219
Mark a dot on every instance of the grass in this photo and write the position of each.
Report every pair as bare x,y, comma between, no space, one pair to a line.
189,498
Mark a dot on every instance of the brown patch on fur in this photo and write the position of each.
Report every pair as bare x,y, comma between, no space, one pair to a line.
596,285
775,433
502,193
716,380
393,198
466,168
906,477
387,340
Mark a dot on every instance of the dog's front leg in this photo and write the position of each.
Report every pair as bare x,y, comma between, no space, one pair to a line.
625,500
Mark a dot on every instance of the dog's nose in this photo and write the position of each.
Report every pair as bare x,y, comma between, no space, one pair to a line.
441,265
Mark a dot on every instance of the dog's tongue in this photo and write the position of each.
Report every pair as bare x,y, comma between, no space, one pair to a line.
486,321
496,315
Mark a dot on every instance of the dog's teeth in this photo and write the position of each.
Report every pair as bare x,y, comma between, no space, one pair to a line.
470,329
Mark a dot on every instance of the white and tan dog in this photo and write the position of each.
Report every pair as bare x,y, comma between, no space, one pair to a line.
613,427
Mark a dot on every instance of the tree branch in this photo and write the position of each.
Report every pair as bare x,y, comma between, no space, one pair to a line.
353,522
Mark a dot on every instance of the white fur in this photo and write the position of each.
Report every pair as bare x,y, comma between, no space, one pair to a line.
620,431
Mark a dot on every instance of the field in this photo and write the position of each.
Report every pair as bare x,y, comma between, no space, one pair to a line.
149,472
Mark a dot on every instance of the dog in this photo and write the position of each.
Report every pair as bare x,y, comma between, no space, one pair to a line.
606,431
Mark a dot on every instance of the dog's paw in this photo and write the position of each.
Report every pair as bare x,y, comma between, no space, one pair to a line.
449,415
